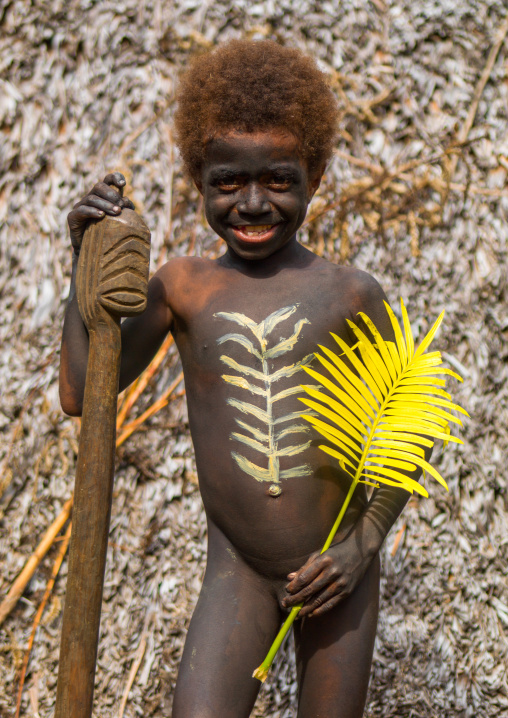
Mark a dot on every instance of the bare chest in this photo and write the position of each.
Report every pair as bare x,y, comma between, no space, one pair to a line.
244,357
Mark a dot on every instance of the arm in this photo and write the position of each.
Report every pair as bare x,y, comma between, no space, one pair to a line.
328,578
141,335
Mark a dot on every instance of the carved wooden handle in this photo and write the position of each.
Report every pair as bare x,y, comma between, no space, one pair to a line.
113,266
112,282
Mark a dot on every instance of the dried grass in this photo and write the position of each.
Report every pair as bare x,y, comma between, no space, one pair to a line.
416,194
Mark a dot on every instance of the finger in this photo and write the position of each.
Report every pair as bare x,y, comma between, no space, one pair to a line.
308,562
327,606
78,220
92,200
101,189
316,586
316,602
306,574
115,178
128,203
81,214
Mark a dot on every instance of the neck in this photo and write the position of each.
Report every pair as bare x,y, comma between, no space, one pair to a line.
291,255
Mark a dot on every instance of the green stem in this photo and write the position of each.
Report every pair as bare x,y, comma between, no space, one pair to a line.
343,510
262,672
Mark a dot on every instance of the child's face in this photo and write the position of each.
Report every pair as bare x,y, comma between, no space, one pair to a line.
256,190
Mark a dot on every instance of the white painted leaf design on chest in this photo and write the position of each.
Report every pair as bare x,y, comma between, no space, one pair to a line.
256,378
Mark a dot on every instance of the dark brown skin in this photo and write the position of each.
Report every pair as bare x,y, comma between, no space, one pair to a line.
257,542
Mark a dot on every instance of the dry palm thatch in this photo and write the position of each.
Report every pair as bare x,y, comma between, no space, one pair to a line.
416,194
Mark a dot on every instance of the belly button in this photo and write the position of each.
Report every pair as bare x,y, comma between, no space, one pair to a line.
275,490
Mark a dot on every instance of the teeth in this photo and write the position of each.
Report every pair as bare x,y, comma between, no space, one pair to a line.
258,229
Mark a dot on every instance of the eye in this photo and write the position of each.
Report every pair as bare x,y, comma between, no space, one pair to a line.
229,186
228,182
279,183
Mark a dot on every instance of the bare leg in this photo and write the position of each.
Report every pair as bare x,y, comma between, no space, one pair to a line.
334,654
236,619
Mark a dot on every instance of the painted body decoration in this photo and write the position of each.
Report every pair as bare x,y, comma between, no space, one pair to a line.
272,425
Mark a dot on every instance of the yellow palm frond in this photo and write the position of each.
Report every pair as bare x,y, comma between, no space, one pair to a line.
376,421
382,407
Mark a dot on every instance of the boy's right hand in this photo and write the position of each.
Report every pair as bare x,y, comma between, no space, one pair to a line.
104,198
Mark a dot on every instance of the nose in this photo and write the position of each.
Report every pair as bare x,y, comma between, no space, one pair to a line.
253,200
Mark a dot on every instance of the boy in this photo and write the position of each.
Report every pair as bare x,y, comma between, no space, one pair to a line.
256,124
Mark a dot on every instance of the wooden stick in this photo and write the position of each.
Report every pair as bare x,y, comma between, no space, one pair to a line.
51,534
398,538
132,674
462,136
153,409
111,282
49,587
141,384
360,187
463,132
471,115
19,585
138,658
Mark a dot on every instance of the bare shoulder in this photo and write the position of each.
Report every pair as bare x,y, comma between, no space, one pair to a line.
362,290
356,291
182,268
364,294
185,279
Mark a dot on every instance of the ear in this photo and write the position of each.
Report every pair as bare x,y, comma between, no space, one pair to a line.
196,177
314,180
198,183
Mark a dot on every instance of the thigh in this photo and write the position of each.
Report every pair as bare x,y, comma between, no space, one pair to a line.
236,619
334,654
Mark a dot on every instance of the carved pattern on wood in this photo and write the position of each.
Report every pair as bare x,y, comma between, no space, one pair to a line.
111,282
113,268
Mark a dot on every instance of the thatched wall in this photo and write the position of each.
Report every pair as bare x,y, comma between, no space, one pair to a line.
419,200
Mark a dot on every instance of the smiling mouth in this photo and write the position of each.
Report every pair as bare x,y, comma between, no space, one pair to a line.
255,232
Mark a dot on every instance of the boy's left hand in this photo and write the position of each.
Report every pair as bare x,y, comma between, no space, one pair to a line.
326,579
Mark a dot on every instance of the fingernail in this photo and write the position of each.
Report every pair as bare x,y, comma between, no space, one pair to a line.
116,208
101,212
121,181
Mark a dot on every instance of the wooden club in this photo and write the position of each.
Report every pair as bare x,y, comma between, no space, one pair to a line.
111,283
